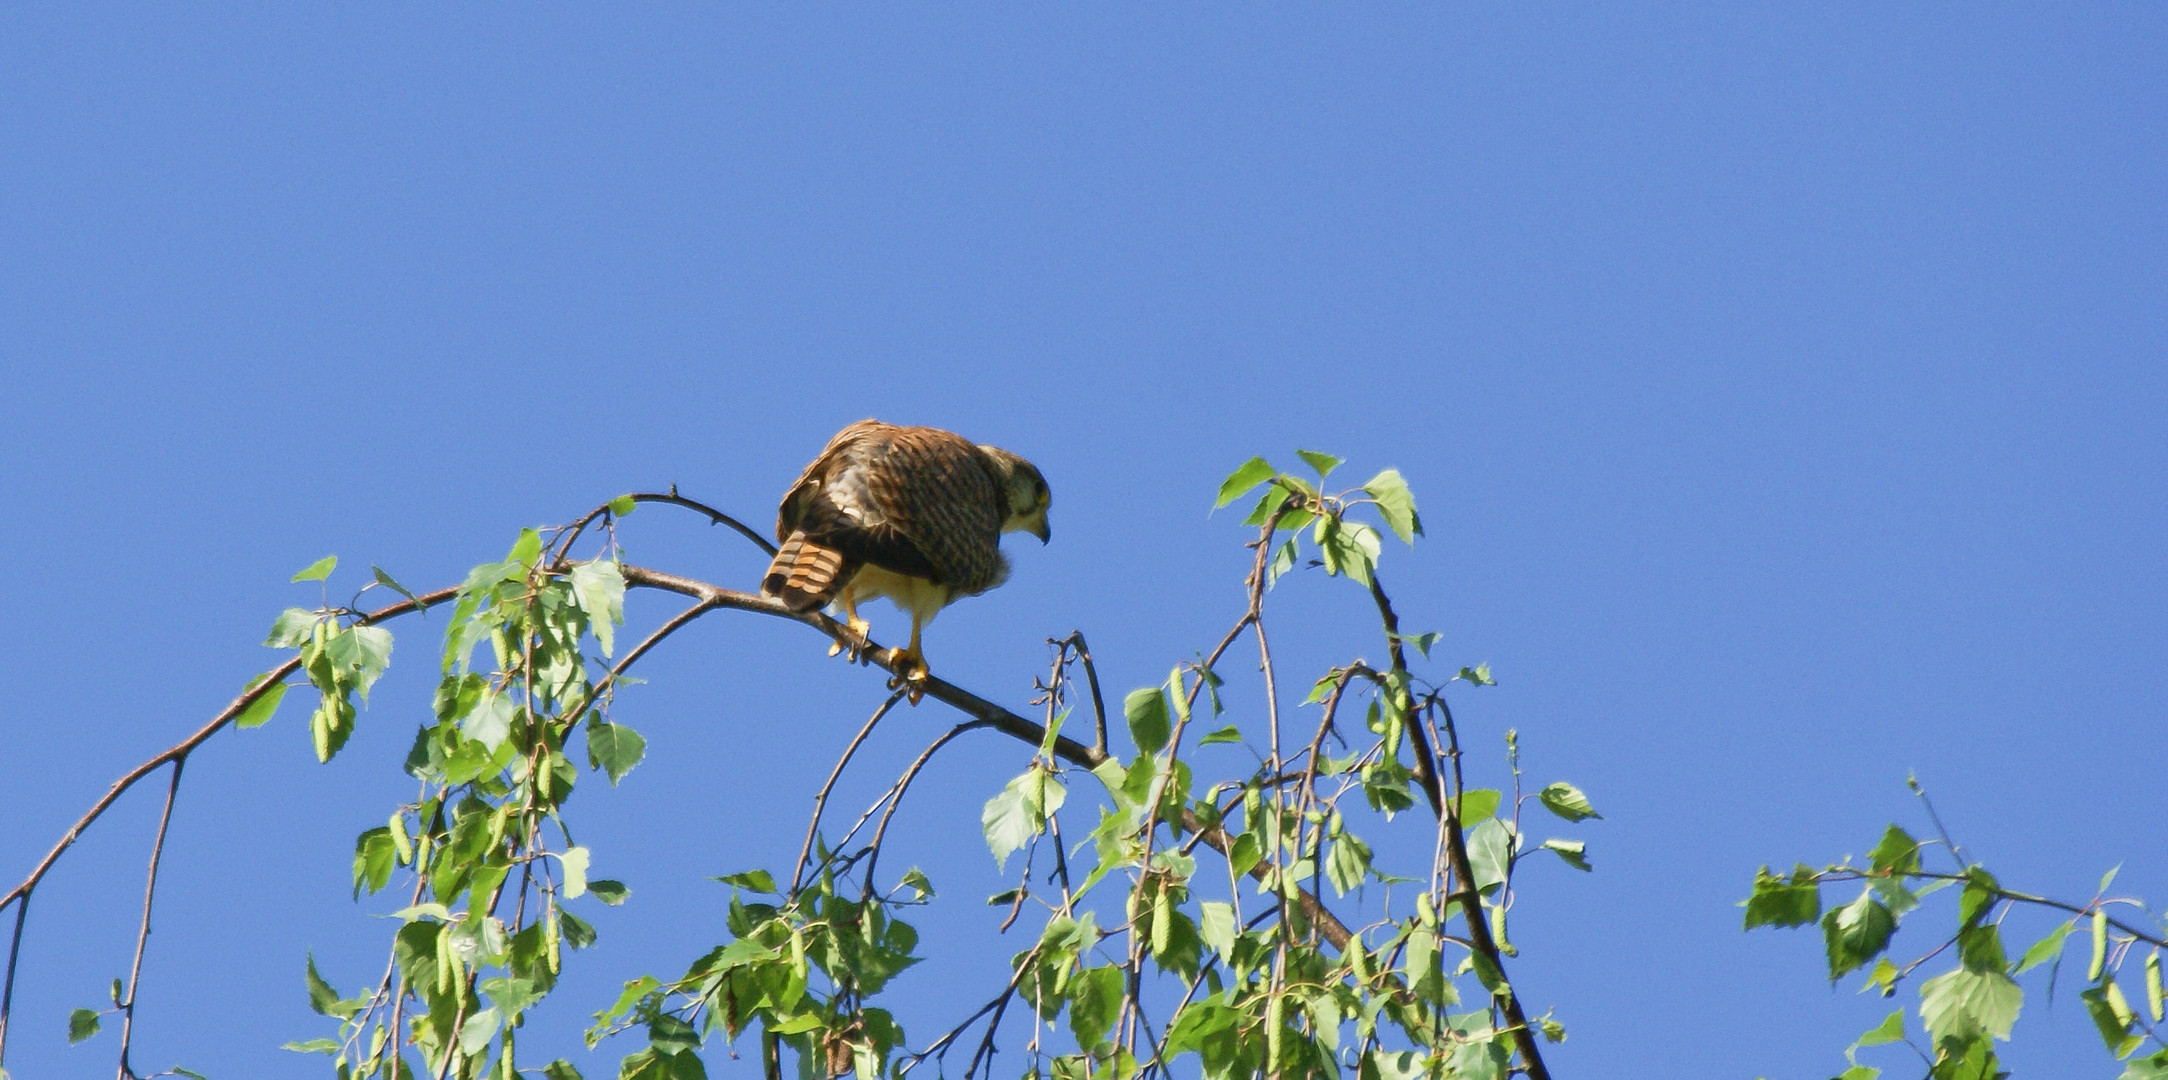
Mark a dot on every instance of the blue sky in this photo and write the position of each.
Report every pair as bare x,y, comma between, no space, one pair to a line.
1783,390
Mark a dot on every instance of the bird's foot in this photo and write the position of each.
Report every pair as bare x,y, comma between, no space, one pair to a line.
854,639
911,673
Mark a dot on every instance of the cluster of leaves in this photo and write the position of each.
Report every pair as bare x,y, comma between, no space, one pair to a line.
1235,963
801,967
488,858
1343,545
1964,1010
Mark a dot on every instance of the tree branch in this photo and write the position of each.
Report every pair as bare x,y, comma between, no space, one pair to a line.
143,936
181,749
1456,847
820,801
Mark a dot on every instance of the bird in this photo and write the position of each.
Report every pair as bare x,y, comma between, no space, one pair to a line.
914,514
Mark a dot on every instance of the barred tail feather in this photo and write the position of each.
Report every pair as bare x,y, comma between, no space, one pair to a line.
806,575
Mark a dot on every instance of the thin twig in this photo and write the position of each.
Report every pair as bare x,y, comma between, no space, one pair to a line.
903,784
179,750
150,887
7,994
820,801
715,517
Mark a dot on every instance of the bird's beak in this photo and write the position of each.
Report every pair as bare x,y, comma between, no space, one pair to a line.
1043,531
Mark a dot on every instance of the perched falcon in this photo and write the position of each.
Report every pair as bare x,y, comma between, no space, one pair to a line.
914,514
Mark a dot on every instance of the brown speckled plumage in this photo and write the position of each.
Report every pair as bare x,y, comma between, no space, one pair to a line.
917,501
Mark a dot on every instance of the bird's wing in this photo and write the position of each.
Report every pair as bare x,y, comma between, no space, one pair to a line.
934,489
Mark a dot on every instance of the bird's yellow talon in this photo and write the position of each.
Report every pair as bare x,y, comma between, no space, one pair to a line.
911,673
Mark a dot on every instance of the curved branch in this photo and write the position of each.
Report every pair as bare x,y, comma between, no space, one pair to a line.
180,749
988,713
715,517
1456,844
7,995
143,936
820,801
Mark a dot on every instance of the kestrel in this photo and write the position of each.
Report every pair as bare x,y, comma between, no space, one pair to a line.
914,514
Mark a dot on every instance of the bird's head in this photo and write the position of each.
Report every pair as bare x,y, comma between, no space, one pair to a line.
1025,490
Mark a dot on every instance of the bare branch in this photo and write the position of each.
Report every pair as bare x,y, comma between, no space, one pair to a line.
7,994
181,749
143,936
820,801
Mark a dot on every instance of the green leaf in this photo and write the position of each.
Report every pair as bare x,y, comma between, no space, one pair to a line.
1567,802
1422,641
915,880
609,891
600,590
1978,898
577,933
1573,851
1396,504
1477,804
1347,863
363,651
574,863
2047,948
374,857
2150,1067
1897,853
259,711
1324,464
1891,1029
82,1024
1490,852
1253,472
323,1000
1856,933
1348,547
318,570
1228,734
1148,722
1095,998
1216,927
1883,978
1479,675
291,629
191,1074
526,549
758,881
388,582
613,748
621,506
2112,1014
1010,819
490,723
1780,902
512,996
313,1046
1961,1004
1980,947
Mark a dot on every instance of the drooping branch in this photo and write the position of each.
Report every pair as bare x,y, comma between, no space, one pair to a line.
1456,843
820,801
143,936
173,755
992,716
181,749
